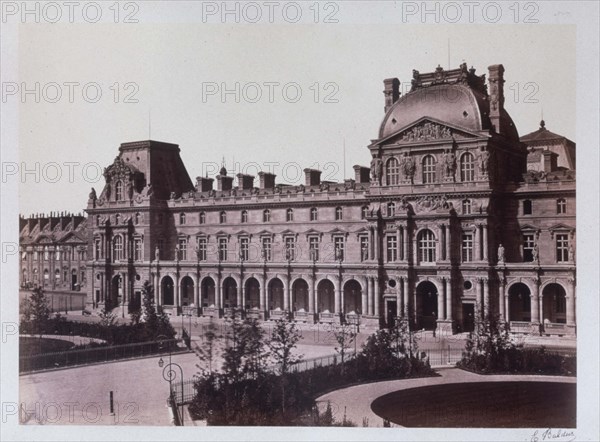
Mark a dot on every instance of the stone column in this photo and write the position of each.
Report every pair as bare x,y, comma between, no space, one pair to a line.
371,243
478,281
440,304
197,302
102,288
571,302
477,241
405,295
501,301
238,296
398,243
402,297
157,293
177,294
398,299
376,297
218,294
371,296
337,297
405,244
486,297
448,239
364,300
286,296
535,301
541,303
485,242
375,244
449,299
311,295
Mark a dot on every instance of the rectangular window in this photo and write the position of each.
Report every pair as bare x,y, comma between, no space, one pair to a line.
244,245
182,243
137,252
202,249
467,247
392,248
527,207
313,247
267,248
222,249
364,248
562,247
528,246
338,247
290,248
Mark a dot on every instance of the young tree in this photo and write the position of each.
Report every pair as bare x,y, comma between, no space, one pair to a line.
403,340
233,356
284,339
253,336
36,311
156,323
206,352
344,335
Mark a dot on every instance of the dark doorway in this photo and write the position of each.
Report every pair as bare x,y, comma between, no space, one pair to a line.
391,308
468,311
74,281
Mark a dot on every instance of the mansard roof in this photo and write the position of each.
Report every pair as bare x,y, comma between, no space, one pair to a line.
543,135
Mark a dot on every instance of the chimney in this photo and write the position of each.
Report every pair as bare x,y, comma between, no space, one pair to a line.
204,184
267,180
245,182
496,80
224,182
312,177
391,91
550,163
362,174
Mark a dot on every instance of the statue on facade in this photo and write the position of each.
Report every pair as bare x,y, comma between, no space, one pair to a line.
483,160
149,190
130,189
92,196
177,250
376,168
536,253
156,253
107,190
500,254
571,253
407,164
449,162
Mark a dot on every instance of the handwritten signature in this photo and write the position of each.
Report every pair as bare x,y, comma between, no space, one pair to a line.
551,434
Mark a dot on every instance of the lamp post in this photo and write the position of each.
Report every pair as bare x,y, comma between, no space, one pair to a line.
169,374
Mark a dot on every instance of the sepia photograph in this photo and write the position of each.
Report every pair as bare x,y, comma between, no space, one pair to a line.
299,220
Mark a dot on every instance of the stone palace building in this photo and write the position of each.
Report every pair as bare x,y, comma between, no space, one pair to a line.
456,216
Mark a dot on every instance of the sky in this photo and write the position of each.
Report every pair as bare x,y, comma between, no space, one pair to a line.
305,93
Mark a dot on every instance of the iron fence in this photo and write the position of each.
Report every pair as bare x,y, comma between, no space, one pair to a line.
188,391
46,361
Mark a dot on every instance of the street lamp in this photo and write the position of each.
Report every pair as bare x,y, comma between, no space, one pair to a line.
169,374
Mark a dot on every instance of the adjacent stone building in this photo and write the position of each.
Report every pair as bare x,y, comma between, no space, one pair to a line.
455,216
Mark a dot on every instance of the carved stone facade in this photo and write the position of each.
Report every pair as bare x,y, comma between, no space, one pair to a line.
447,223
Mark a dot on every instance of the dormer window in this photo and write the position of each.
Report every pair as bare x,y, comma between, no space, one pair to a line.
119,190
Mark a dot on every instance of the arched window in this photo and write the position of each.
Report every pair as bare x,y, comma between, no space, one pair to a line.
266,216
223,217
182,218
467,167
561,206
392,172
202,217
364,211
119,190
391,209
428,169
426,246
138,218
244,216
339,214
314,214
466,207
117,248
289,215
